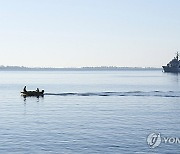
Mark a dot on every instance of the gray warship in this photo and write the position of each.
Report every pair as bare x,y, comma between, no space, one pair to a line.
173,66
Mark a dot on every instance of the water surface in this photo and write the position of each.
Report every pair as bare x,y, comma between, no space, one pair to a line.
88,112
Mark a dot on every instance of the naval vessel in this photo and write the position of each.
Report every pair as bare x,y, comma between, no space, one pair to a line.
173,66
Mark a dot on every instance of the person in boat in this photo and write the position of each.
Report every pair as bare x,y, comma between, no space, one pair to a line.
37,90
24,90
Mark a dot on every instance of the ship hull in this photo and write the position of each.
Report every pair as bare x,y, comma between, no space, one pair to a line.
171,69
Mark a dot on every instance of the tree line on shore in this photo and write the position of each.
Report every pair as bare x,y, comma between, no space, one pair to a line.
101,68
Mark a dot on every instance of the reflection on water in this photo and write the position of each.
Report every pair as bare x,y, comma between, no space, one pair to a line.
175,77
24,96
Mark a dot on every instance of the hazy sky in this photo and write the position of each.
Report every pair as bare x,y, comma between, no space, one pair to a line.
75,33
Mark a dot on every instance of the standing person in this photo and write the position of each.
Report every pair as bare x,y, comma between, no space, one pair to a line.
37,90
25,89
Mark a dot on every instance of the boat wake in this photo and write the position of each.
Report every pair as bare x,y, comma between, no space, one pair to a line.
129,93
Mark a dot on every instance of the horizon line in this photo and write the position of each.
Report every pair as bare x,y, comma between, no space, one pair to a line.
85,68
49,67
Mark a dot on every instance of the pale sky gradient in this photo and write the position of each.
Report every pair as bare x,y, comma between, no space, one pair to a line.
75,33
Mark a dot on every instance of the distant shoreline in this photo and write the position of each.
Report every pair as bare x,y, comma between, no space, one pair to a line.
102,68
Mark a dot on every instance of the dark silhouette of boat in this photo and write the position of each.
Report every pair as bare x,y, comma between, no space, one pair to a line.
36,93
32,93
173,66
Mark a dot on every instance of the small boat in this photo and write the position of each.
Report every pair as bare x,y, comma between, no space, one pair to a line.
32,93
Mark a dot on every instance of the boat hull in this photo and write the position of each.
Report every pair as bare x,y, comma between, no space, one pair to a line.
32,93
171,69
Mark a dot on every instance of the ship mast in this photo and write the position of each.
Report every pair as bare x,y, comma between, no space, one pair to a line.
177,55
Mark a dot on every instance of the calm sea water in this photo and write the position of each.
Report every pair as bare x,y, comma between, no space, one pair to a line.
89,112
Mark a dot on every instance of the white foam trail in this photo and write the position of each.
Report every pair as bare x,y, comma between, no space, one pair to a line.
128,93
